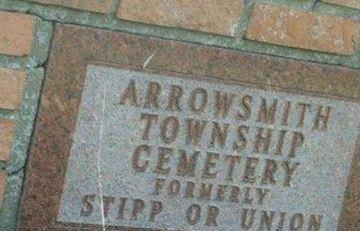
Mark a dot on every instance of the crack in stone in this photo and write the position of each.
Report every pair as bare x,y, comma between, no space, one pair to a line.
99,160
147,61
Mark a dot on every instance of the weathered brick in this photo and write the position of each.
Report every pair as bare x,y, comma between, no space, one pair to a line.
16,33
3,178
12,84
213,16
7,129
349,3
99,6
289,27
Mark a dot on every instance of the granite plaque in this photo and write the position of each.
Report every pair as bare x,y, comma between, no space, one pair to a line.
141,133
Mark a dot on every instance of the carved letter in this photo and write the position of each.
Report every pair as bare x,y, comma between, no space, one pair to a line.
88,208
247,218
193,214
169,129
130,93
219,134
193,100
152,95
142,149
246,106
174,98
213,212
223,102
139,206
267,115
262,142
210,163
195,129
322,119
150,119
187,166
156,208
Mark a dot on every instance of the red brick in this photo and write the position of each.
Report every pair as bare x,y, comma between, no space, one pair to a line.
16,33
3,178
349,3
12,84
7,129
289,27
99,6
213,16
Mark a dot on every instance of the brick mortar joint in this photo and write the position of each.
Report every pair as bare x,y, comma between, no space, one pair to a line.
111,18
252,3
314,4
115,5
15,172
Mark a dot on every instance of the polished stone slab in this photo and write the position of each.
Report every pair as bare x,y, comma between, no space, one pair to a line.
164,135
108,133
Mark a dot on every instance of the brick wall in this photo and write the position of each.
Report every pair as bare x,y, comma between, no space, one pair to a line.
21,53
324,31
16,35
